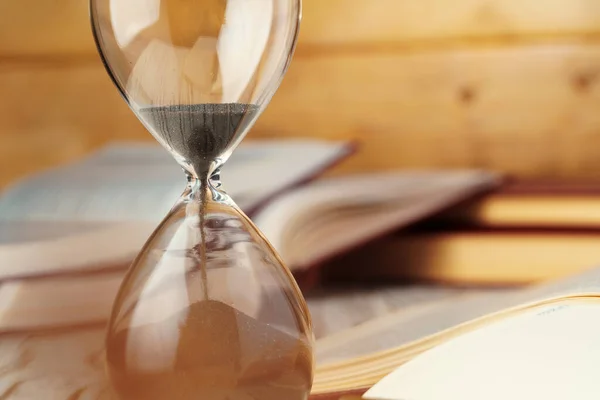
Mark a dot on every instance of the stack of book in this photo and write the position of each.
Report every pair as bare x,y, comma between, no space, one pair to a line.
520,232
461,252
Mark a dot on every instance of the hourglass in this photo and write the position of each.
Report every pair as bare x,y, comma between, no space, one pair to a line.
207,310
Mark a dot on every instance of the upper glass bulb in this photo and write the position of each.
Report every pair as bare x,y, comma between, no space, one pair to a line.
197,72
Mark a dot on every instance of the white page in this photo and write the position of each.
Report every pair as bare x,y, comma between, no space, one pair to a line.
549,353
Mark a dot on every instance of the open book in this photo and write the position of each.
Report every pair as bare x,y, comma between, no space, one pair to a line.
96,214
140,182
522,232
356,359
349,362
547,351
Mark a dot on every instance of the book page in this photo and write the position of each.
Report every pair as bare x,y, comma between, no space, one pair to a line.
549,352
403,328
57,303
336,309
111,209
51,302
81,251
335,214
141,182
67,219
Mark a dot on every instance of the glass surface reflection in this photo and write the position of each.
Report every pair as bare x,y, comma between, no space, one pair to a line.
210,309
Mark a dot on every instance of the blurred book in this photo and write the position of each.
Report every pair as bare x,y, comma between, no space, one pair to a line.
492,257
96,214
547,350
69,234
356,359
521,232
531,204
349,362
141,182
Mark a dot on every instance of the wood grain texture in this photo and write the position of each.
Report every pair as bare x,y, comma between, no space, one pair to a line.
509,85
33,28
45,28
526,110
420,22
56,113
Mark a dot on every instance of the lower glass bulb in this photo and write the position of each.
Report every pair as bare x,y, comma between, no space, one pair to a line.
208,311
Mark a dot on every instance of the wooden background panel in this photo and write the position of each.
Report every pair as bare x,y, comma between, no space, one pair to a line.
529,110
56,113
519,94
61,27
48,28
352,22
525,110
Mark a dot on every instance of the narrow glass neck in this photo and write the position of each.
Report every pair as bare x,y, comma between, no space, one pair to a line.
205,188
